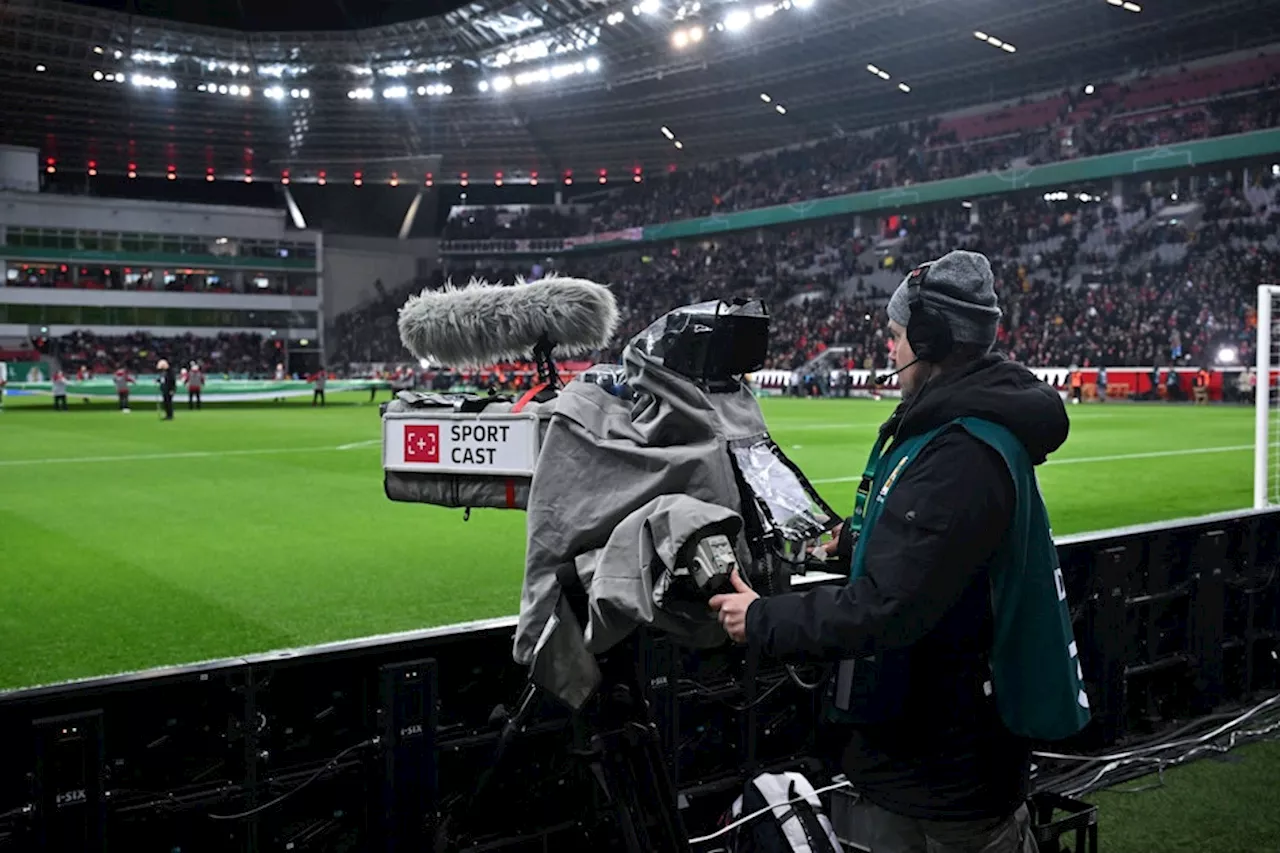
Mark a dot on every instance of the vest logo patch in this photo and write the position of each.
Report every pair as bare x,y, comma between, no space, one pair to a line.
893,476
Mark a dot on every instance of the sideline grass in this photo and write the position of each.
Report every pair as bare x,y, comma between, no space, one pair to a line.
243,528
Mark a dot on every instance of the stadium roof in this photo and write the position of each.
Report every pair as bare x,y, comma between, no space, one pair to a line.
543,85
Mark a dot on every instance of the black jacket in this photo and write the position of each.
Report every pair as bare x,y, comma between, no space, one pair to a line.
167,382
925,592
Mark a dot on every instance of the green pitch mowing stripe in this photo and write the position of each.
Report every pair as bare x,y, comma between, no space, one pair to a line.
243,528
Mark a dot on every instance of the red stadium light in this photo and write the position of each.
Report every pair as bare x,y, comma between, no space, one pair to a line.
463,181
172,172
62,268
320,180
497,179
133,170
93,168
50,168
533,179
635,176
284,177
248,176
395,179
568,178
172,176
431,181
604,179
359,179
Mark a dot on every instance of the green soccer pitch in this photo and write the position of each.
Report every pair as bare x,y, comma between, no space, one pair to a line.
127,542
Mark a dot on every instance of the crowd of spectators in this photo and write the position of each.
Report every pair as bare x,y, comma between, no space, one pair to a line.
1108,119
236,355
1077,286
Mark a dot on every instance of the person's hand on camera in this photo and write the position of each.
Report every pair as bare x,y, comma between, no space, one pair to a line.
732,607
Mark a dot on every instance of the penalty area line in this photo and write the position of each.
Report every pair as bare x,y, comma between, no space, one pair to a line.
191,454
1123,457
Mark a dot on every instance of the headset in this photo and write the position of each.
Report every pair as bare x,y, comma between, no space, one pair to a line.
928,332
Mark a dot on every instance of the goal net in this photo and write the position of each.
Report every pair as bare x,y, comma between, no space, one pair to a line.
1266,440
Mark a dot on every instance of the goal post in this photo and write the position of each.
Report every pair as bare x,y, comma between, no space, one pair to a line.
1266,423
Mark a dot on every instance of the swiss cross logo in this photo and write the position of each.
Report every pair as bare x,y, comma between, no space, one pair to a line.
422,443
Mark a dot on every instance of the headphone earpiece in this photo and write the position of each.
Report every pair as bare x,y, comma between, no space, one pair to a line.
928,331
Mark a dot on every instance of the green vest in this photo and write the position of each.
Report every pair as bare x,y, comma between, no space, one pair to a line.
1036,674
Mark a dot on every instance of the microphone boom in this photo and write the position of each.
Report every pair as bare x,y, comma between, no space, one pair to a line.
482,323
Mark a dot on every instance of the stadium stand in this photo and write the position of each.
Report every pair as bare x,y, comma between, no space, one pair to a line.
1173,105
1082,282
236,355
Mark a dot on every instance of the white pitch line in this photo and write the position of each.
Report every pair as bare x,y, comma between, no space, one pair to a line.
356,444
1080,460
192,454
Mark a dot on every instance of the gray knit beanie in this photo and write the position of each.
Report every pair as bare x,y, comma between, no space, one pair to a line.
960,286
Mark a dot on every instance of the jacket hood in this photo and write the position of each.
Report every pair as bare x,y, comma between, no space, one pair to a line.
994,389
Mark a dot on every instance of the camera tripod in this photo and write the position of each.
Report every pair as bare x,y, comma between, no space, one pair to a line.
620,751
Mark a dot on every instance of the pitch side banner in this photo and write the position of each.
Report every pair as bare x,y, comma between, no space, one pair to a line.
215,390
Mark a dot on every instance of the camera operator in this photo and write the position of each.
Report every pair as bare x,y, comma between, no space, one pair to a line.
954,611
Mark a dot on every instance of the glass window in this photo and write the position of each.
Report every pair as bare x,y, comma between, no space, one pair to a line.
177,317
89,240
29,314
67,240
94,316
66,314
109,241
172,244
130,243
49,239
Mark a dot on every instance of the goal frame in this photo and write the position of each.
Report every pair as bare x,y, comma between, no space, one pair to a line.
1262,397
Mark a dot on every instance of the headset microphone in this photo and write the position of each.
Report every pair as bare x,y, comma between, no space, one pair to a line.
883,380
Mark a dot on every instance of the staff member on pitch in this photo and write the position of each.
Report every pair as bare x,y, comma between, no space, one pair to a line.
195,384
168,384
953,636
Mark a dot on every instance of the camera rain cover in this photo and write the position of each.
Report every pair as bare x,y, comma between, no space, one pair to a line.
795,509
708,341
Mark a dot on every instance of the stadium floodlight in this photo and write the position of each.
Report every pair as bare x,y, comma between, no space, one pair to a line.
666,131
994,42
879,72
737,20
649,7
395,92
615,18
275,93
1089,90
501,83
781,109
765,97
903,87
764,11
1227,355
802,4
679,145
97,75
680,39
593,64
484,85
40,69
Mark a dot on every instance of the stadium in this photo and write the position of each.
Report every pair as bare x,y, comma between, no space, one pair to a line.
237,620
